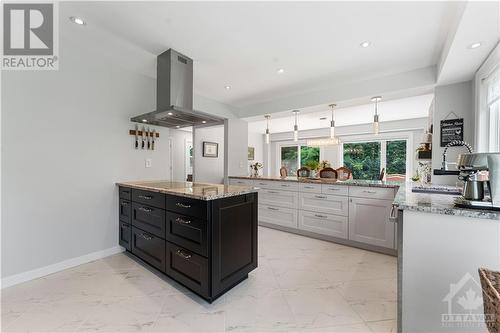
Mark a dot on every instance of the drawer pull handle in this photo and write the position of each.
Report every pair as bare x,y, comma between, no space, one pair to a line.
183,255
320,196
311,187
321,216
146,237
146,197
262,183
144,209
285,185
181,221
124,203
370,192
333,189
273,192
272,208
182,205
124,191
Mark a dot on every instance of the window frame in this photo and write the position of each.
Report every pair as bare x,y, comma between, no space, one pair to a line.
297,144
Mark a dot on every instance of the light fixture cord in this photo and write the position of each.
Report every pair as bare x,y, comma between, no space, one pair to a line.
376,104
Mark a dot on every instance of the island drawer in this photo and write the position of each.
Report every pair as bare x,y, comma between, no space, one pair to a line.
149,248
125,193
125,235
308,187
279,198
125,212
324,203
335,189
154,199
371,192
188,232
324,224
188,268
187,206
149,219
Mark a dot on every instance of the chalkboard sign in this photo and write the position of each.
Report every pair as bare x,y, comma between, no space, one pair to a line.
451,130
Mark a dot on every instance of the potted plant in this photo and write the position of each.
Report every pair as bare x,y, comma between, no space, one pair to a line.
324,164
314,166
254,167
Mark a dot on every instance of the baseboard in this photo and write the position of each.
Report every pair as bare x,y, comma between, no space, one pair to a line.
43,271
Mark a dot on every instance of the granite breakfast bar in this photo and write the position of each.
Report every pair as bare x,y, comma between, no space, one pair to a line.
204,236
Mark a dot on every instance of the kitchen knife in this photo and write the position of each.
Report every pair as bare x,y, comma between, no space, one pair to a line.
143,137
136,136
149,138
153,140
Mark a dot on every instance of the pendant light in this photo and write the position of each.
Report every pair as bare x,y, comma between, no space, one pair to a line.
296,126
376,125
332,122
267,116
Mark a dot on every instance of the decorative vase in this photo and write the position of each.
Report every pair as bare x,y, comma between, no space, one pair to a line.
255,173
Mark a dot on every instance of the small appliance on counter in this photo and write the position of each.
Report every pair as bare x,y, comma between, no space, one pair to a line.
480,173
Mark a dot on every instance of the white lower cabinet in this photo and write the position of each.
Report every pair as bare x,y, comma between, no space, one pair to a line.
286,217
369,222
279,198
325,224
324,203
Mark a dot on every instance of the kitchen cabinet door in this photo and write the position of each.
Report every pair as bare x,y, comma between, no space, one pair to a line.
369,222
324,224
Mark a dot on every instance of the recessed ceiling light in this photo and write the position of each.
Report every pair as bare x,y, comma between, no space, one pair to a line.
170,113
280,71
474,45
365,44
177,126
227,87
77,20
204,122
144,120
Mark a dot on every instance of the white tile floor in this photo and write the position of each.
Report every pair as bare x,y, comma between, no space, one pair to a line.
301,285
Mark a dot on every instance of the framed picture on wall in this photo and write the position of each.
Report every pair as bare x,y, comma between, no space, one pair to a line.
251,153
210,149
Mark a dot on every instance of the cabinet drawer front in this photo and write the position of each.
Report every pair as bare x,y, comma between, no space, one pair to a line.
125,235
279,198
286,217
325,224
187,206
125,210
286,186
335,189
324,203
125,193
312,188
149,198
188,232
371,192
149,248
188,268
149,219
268,184
240,182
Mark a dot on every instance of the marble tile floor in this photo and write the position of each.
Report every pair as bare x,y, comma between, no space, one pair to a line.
301,285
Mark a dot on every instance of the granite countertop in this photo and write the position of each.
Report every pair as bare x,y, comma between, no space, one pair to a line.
437,204
199,191
351,182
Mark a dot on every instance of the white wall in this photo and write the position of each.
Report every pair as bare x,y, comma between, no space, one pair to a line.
65,143
208,169
236,147
458,98
256,140
179,139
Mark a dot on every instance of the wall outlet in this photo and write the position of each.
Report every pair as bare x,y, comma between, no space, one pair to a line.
148,162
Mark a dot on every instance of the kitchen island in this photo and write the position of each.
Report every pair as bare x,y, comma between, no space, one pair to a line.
204,236
440,250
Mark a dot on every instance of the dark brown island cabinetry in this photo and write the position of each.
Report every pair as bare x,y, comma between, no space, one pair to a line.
209,246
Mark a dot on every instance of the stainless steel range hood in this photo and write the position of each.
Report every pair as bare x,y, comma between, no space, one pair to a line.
174,95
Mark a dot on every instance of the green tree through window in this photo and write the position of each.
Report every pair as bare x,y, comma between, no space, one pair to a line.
308,155
363,159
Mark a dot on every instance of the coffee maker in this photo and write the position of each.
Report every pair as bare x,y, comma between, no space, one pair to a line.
480,173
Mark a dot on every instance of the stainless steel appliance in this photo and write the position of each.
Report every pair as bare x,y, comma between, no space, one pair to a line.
480,173
174,95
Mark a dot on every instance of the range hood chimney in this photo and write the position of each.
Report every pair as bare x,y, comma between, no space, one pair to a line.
174,95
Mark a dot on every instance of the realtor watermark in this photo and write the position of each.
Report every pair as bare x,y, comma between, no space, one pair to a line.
30,36
465,305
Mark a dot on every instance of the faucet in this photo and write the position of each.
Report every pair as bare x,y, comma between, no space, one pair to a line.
455,143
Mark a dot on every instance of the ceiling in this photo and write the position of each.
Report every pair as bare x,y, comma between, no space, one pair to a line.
243,44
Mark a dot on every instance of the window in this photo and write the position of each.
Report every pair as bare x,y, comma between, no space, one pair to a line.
493,109
297,156
366,162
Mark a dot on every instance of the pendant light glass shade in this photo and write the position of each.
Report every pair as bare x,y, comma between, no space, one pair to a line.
332,122
267,116
376,125
296,126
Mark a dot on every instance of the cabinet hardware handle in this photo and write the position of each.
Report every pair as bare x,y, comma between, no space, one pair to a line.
181,221
321,216
146,197
262,183
311,187
285,185
124,191
146,237
182,205
144,209
272,208
333,189
273,192
124,203
183,255
370,192
394,214
320,196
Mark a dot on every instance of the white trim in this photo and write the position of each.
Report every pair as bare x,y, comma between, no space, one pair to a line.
57,267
